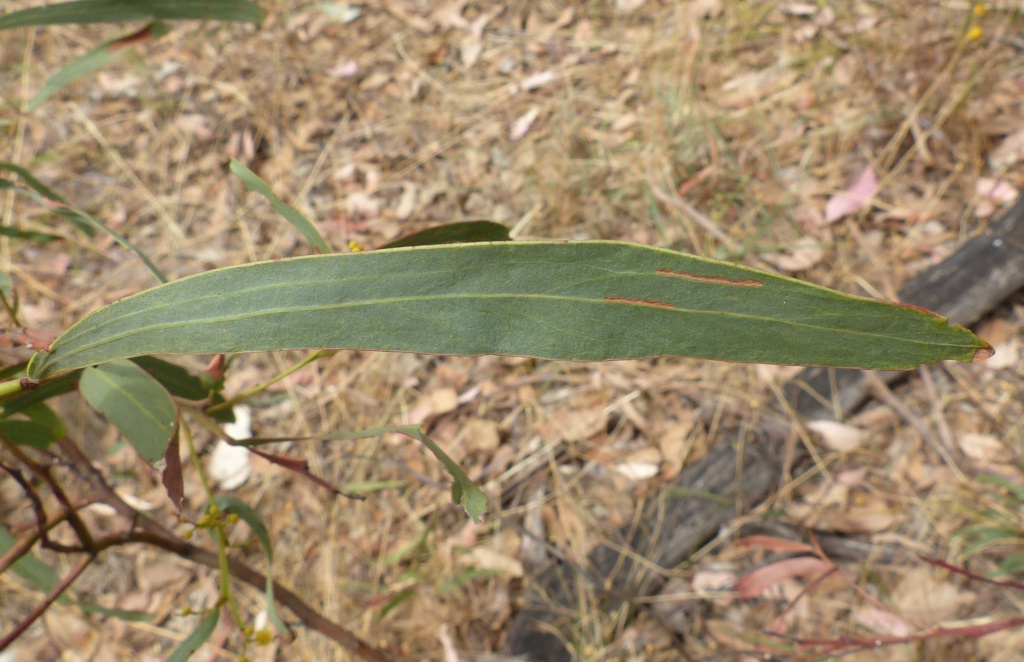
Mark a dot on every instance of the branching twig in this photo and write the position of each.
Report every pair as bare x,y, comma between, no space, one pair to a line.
38,610
149,531
43,473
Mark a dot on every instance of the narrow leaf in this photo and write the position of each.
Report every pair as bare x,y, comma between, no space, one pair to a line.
251,517
129,615
27,235
93,61
116,11
464,491
7,287
453,233
398,599
579,301
135,403
196,639
297,465
253,182
84,221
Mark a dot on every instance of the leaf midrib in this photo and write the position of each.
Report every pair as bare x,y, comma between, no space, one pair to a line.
443,297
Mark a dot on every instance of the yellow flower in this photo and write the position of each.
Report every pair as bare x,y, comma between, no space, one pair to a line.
974,33
355,246
979,10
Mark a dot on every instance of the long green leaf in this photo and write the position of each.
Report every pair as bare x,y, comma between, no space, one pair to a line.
94,60
116,11
135,403
253,182
583,301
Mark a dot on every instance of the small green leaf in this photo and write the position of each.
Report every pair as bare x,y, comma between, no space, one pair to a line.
42,428
249,516
196,639
26,433
464,490
135,403
180,383
93,61
117,11
453,233
28,567
253,182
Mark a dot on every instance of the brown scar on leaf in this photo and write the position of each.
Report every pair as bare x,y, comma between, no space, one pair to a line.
641,302
711,279
983,353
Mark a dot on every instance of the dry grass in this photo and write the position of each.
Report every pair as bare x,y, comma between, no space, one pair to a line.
720,128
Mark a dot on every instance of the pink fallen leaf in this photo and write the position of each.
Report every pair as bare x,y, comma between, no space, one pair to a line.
522,125
757,582
346,68
853,199
882,622
538,80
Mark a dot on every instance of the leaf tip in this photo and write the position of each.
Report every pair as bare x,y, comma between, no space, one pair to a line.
983,353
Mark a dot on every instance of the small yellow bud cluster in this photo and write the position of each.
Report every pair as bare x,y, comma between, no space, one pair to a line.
974,32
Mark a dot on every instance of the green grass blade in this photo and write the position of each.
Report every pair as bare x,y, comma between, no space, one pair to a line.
253,182
556,300
117,11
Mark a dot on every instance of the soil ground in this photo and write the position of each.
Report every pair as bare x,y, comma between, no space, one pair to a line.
851,144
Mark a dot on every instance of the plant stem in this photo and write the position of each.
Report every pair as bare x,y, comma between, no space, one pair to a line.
259,388
216,529
10,388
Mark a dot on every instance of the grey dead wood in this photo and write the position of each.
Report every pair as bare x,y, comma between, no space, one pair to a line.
735,477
